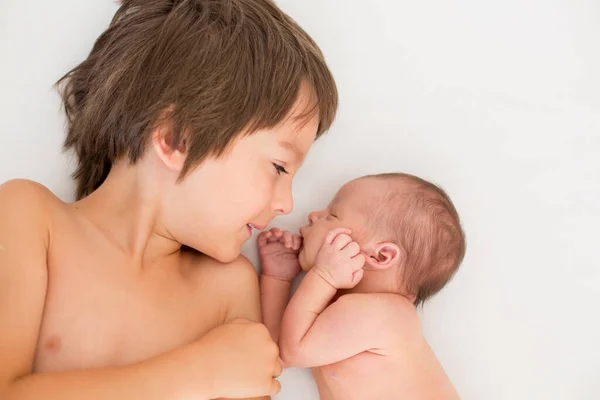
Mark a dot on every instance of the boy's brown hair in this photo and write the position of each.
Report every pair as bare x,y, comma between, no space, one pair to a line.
214,68
420,218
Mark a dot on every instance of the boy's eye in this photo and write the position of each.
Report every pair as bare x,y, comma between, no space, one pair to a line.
280,169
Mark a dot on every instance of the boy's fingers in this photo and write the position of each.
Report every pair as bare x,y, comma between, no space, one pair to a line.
278,368
334,233
240,321
283,366
275,387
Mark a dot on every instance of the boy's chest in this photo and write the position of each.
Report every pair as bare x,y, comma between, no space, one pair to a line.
100,314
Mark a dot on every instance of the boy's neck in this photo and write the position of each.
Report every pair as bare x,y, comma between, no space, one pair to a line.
126,208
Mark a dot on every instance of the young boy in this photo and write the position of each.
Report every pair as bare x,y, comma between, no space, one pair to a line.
384,245
189,120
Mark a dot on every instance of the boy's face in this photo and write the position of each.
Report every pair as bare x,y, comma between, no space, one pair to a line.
218,204
344,211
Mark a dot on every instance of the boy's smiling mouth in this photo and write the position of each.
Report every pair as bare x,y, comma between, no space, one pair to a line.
251,227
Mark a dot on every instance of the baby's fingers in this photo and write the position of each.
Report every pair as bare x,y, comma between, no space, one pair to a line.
263,238
341,241
334,233
288,239
352,249
276,235
357,276
358,262
297,242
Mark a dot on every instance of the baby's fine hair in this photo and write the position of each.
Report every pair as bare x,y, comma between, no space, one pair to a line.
212,69
421,219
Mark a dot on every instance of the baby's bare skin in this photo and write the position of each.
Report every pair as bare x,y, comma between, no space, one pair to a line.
347,320
406,368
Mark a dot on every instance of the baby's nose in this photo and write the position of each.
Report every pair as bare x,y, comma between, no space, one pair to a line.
312,217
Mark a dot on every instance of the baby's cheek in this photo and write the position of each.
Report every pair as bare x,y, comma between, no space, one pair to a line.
304,264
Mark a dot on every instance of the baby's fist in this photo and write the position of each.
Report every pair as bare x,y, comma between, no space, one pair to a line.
339,261
278,252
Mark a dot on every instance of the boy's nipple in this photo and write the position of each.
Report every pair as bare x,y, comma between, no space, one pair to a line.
53,344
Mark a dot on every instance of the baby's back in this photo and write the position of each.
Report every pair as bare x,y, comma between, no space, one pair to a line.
406,369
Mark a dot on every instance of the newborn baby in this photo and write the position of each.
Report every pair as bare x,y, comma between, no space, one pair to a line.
384,245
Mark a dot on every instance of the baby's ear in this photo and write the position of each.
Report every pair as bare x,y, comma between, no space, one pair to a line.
383,255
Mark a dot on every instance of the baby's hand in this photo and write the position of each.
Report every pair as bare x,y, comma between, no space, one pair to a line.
278,252
339,261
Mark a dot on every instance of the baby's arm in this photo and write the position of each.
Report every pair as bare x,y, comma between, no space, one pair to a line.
278,252
313,334
274,296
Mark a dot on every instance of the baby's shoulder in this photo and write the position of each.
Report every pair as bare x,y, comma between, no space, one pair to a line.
392,312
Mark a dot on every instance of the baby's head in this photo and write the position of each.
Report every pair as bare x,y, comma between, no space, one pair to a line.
403,225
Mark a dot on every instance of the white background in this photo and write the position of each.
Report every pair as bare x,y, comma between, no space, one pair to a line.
498,102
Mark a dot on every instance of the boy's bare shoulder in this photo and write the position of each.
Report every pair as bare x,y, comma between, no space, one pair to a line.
235,284
28,199
238,271
390,311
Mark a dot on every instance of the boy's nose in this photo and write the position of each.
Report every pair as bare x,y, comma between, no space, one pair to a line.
283,203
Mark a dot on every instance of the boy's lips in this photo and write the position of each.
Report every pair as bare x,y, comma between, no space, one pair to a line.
251,227
256,226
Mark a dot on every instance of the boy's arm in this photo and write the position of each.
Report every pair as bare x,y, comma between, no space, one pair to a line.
244,296
313,334
25,232
24,239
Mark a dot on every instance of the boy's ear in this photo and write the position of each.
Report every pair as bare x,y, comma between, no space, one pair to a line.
383,255
163,145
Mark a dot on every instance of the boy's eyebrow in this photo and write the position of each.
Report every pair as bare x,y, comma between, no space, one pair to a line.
298,154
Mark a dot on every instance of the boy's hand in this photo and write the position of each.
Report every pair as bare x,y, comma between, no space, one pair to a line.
242,359
278,252
339,261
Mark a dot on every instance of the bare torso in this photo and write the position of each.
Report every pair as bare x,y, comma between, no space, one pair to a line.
101,311
407,369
